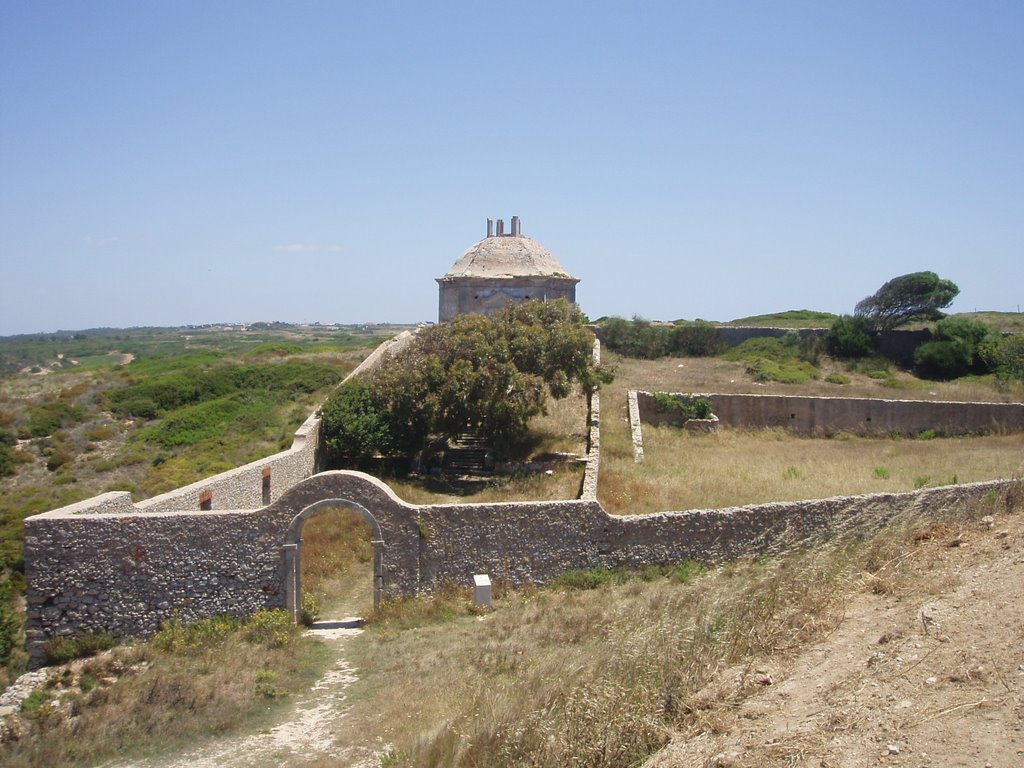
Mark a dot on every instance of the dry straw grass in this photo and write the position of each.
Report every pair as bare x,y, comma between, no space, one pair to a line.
736,467
601,677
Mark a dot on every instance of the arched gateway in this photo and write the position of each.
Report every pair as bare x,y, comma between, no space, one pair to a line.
105,565
291,551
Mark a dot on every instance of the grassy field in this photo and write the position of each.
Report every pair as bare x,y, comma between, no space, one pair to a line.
735,467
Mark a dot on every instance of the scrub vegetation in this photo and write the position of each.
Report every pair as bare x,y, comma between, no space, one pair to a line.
602,667
147,410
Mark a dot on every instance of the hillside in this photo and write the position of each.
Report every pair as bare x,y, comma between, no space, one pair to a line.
844,654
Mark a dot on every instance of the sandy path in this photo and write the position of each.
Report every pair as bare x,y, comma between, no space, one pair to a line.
303,734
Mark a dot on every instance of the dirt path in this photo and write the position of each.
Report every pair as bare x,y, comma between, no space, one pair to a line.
303,734
934,678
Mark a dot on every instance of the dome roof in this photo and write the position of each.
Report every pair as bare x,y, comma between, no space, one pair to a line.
507,256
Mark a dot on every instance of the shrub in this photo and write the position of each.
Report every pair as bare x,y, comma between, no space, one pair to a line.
837,378
688,406
309,610
7,441
850,337
354,424
10,631
271,629
955,350
59,650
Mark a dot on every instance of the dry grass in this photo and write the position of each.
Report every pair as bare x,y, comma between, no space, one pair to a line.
337,563
601,677
736,467
141,700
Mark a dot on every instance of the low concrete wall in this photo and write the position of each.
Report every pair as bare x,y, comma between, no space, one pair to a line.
814,415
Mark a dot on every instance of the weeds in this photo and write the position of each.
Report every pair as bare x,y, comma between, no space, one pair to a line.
60,650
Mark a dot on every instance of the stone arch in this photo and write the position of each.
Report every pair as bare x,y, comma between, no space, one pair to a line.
291,551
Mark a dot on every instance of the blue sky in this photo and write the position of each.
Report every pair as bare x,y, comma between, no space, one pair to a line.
164,163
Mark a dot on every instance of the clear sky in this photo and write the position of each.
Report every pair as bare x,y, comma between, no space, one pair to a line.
165,163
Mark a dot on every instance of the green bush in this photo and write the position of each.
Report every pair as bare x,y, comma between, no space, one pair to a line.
7,441
309,610
641,339
850,337
271,629
687,406
59,650
44,420
10,631
785,372
956,349
1004,355
355,425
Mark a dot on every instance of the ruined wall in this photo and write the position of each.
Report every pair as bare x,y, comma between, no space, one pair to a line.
812,415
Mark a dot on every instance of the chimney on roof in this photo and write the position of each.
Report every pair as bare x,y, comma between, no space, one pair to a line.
501,228
515,226
490,228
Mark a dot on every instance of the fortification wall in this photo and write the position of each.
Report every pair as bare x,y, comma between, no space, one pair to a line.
811,415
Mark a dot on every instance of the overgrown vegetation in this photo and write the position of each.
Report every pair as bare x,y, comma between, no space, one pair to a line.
790,360
686,406
643,339
483,375
191,680
955,349
146,410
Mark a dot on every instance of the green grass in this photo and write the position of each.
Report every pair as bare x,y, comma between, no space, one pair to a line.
793,318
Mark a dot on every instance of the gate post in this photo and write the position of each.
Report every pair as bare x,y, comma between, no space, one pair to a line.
292,579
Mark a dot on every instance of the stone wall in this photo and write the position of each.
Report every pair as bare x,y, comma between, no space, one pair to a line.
124,573
102,565
814,415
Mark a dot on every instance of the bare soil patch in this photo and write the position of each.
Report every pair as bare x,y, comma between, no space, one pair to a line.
927,676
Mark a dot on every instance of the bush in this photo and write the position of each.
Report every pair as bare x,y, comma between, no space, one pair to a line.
10,631
850,337
955,350
641,339
1004,356
688,406
7,441
59,650
309,610
354,424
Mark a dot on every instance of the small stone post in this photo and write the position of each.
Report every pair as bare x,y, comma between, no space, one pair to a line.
482,590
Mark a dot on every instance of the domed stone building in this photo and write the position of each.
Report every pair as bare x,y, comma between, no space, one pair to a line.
500,269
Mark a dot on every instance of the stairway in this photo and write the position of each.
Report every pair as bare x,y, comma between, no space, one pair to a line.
466,456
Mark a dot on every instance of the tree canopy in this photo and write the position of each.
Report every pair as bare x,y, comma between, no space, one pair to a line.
917,296
484,374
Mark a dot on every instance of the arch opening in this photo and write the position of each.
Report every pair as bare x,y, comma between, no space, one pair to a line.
291,550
